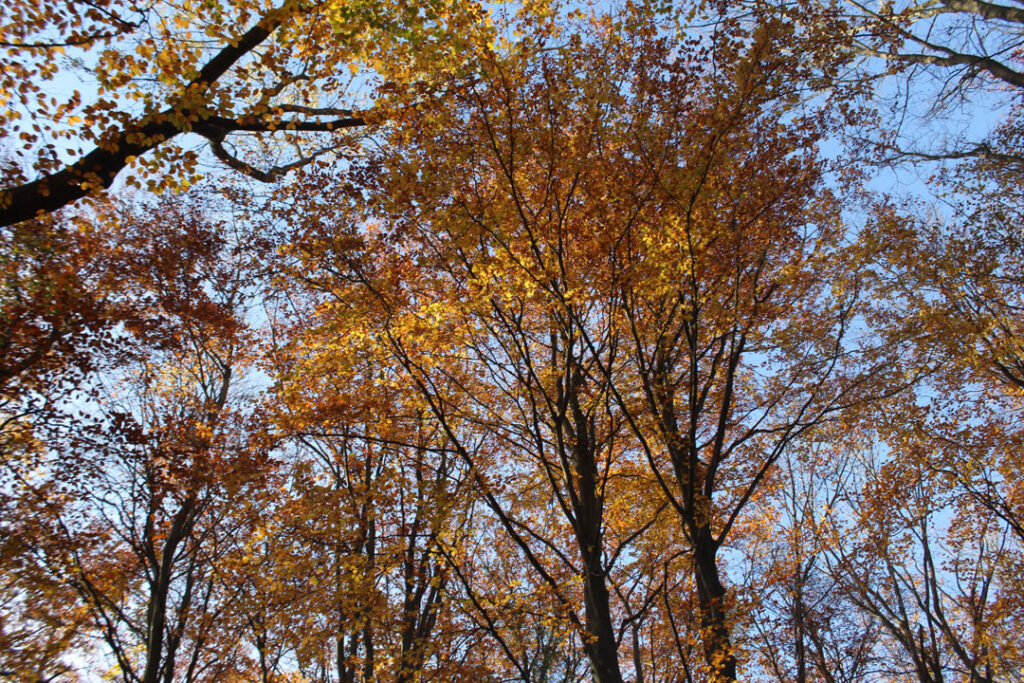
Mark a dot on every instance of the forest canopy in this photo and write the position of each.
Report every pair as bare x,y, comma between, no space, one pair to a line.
386,341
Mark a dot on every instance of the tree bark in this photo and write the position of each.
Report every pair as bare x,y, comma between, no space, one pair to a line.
713,610
601,645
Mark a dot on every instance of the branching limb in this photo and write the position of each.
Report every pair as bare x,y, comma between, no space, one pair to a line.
98,169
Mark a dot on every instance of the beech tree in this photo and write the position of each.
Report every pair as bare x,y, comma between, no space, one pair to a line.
921,64
951,289
958,279
805,624
564,346
527,384
600,274
354,570
126,516
222,71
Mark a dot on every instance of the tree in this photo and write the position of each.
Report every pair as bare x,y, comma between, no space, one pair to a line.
41,622
806,626
527,384
931,61
596,284
129,502
218,70
956,288
952,288
926,571
347,569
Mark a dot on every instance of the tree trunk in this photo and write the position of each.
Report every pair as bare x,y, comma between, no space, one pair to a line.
601,647
799,642
589,508
163,567
711,600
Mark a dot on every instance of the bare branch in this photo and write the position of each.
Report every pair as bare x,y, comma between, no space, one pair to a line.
987,10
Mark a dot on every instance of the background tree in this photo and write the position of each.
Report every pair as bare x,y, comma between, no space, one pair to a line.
927,575
805,625
951,288
356,582
127,501
926,64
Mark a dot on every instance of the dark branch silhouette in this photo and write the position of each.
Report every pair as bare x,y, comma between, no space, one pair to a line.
98,169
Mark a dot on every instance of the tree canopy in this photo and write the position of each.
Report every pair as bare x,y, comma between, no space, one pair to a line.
528,341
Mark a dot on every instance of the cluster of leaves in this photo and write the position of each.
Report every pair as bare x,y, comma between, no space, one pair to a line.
570,365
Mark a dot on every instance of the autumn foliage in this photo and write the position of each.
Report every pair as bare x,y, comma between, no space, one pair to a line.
407,342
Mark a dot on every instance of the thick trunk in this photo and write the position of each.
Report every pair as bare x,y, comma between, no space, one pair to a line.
713,616
155,632
601,646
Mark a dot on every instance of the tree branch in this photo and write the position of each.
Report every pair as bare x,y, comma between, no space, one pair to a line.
987,10
951,58
980,151
98,169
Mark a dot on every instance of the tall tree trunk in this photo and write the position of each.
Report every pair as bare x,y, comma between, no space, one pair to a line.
799,625
601,647
713,615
